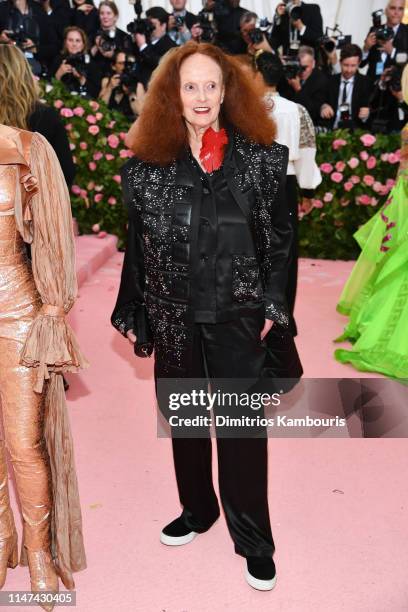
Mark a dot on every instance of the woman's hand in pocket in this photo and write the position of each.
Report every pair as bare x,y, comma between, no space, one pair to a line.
266,328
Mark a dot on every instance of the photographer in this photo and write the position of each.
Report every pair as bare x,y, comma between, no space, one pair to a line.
109,38
59,14
74,67
84,15
227,16
180,22
256,38
386,45
296,23
348,99
121,90
25,23
309,86
153,44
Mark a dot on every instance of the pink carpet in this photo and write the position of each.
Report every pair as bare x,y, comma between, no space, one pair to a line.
338,507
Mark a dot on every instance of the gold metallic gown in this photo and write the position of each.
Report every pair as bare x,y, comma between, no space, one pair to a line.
36,346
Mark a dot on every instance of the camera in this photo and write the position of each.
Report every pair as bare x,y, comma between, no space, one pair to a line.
377,18
292,67
179,21
130,76
345,120
257,34
108,40
78,61
206,23
139,25
384,34
333,39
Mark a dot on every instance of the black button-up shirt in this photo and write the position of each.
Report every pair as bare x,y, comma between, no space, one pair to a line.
223,232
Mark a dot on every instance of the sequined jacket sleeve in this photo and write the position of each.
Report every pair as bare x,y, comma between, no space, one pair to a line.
130,312
275,232
51,345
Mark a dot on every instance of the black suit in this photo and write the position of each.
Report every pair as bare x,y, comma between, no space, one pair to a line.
150,56
47,122
400,43
362,90
311,17
313,94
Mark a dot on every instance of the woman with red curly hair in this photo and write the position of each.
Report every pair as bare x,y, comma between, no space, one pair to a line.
204,279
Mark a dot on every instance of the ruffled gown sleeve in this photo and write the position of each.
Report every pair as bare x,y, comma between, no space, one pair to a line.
51,346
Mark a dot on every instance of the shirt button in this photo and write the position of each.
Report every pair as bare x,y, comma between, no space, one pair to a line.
206,191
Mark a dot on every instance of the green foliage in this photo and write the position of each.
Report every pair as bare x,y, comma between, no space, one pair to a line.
96,135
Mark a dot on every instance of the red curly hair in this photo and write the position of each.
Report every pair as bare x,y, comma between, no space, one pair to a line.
161,135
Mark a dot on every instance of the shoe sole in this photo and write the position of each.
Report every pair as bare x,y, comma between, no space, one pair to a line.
177,541
260,585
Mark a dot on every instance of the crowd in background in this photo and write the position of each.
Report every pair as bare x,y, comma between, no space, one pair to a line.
82,46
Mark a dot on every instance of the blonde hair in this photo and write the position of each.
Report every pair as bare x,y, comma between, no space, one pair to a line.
18,90
405,84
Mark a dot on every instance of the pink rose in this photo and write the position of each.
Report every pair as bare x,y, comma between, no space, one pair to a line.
374,201
98,187
98,197
109,156
99,116
97,156
66,112
79,111
102,234
90,185
58,104
84,193
368,140
364,199
112,201
328,197
338,143
390,182
94,105
353,163
92,166
123,153
68,127
96,228
93,129
317,204
377,187
91,119
83,146
364,155
122,135
369,180
340,166
117,178
326,168
111,124
371,162
72,146
76,189
348,186
355,179
384,157
393,158
337,177
113,141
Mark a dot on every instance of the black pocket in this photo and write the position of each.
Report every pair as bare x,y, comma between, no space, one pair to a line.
246,282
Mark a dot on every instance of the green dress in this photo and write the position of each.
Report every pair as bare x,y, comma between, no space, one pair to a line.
375,297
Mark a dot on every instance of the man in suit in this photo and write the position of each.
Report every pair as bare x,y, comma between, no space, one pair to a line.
310,87
150,52
180,33
380,54
349,92
298,24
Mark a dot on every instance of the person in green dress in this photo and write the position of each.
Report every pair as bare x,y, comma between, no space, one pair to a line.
375,297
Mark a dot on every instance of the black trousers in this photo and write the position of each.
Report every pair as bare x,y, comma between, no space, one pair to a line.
226,350
291,288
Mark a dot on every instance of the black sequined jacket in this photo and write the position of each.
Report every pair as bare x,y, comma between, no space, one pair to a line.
157,276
